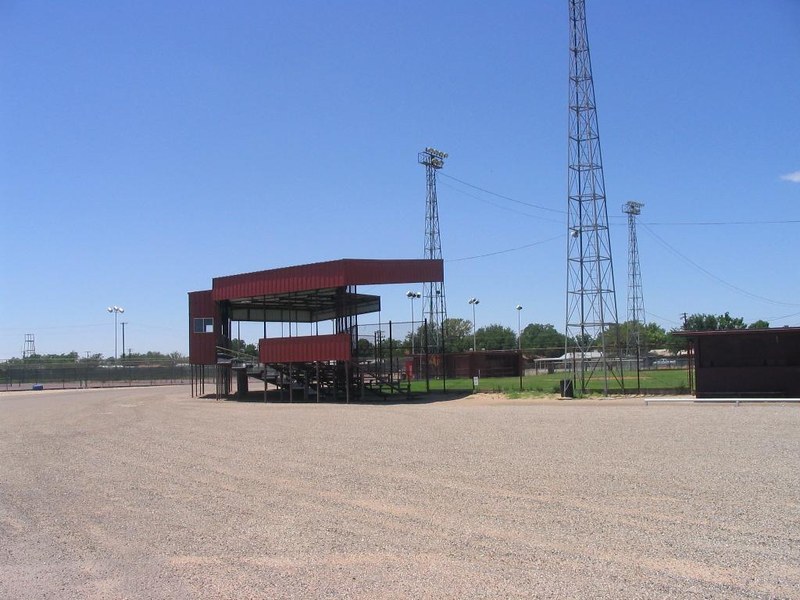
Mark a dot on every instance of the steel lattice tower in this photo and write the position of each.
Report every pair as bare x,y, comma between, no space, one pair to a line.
30,346
636,318
591,296
433,297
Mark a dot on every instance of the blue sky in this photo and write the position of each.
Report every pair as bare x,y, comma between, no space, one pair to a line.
146,147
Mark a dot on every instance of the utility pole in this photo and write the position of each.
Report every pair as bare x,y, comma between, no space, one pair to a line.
591,295
433,297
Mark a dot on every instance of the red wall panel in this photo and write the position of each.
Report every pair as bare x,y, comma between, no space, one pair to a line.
304,349
332,274
202,346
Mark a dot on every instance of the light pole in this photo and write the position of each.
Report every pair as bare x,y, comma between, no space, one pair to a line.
116,310
474,301
412,296
519,343
123,338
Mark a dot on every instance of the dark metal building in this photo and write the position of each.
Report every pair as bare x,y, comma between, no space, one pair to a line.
746,362
312,293
486,363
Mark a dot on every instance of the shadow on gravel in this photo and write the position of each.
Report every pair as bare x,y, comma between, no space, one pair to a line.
276,397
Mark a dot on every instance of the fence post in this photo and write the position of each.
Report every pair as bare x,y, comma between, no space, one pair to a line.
391,356
442,359
427,360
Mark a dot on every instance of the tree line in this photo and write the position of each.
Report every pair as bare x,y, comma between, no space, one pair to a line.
98,358
541,339
544,340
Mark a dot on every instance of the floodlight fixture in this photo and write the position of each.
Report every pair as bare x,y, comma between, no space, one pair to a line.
632,208
412,296
431,157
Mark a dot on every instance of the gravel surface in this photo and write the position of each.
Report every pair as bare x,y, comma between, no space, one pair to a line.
147,493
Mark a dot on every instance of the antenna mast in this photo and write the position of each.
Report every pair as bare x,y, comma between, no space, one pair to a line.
591,295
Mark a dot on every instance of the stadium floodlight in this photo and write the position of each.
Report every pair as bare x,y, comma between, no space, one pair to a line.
412,296
474,302
116,310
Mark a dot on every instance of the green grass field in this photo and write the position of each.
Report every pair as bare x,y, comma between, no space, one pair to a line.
675,380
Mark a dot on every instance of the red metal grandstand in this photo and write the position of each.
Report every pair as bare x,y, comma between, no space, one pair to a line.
312,293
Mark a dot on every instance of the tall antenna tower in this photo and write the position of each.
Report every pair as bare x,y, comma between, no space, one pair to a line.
591,296
433,298
636,318
30,346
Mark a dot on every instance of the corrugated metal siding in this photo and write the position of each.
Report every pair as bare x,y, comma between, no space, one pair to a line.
332,274
304,349
380,272
202,346
279,281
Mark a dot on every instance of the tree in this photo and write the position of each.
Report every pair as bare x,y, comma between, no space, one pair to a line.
706,322
458,335
760,324
700,322
653,336
543,340
238,345
726,321
495,337
675,344
615,339
365,347
418,342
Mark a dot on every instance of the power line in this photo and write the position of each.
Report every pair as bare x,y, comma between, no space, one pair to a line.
557,237
722,223
652,314
611,217
711,275
495,204
509,198
781,318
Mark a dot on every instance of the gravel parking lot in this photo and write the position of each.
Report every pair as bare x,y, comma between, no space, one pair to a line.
148,493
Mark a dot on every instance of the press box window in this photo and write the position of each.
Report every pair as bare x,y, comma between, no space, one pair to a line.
204,325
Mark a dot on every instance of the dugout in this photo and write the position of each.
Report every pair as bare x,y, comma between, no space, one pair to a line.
745,362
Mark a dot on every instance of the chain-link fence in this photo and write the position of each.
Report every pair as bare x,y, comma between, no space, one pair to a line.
417,357
33,374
